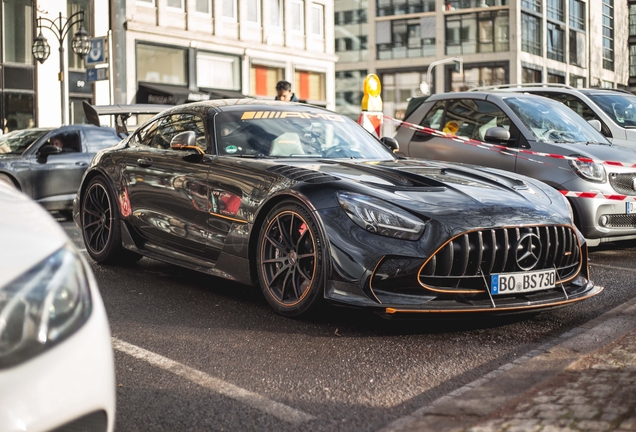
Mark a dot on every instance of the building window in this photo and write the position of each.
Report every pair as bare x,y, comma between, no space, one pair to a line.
632,60
175,4
297,16
577,14
482,32
203,6
555,38
263,80
74,6
17,31
607,84
253,13
632,20
401,7
530,75
472,77
161,64
18,110
531,5
577,48
577,81
530,34
608,34
310,85
347,17
229,10
218,71
317,19
555,10
349,93
405,38
556,78
451,5
275,13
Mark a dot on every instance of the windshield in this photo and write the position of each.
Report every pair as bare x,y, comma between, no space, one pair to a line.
551,121
295,134
16,142
620,107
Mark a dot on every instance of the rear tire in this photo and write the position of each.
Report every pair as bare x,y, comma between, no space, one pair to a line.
101,225
290,260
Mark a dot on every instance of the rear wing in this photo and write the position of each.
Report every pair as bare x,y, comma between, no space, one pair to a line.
120,112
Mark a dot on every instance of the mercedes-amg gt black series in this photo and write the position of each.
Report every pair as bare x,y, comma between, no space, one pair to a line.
310,206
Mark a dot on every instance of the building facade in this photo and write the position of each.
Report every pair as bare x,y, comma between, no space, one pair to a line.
576,42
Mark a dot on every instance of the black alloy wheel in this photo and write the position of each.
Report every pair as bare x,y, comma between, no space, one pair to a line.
100,225
290,261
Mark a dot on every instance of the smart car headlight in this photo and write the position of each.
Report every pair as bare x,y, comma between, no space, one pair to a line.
43,306
380,217
590,171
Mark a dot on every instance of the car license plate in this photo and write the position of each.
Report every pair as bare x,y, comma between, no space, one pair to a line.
512,283
630,207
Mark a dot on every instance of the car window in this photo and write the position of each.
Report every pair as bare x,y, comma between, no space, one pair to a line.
573,102
433,118
551,121
97,139
275,133
619,107
145,135
177,123
471,118
68,141
16,142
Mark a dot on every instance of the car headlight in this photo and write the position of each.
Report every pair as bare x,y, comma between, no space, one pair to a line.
590,171
380,217
43,306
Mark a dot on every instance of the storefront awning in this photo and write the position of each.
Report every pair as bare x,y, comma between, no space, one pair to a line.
166,94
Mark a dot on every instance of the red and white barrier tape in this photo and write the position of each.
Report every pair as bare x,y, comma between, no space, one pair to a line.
500,147
615,197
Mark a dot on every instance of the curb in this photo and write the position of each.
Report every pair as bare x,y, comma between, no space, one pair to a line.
480,399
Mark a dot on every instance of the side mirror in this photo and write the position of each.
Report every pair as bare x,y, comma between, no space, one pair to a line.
596,124
390,143
185,141
49,149
497,135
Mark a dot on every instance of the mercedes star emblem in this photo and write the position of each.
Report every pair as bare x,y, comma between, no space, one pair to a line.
528,251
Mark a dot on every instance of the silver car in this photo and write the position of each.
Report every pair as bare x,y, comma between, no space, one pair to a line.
537,124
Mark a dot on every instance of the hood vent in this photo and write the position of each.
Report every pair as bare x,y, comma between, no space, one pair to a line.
302,174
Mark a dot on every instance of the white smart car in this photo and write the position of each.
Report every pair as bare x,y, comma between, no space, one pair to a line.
56,359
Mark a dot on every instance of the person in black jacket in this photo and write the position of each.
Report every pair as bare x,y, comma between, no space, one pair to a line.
283,88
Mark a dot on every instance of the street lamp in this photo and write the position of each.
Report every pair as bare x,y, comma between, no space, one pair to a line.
80,43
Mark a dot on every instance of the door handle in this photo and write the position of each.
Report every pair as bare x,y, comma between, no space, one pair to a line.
81,163
144,162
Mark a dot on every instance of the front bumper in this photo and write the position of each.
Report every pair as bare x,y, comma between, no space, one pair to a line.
603,220
71,383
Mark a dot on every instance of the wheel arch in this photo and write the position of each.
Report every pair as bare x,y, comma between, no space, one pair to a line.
11,177
259,220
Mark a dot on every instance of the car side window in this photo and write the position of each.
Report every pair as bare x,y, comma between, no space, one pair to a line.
433,118
574,103
177,123
144,136
100,138
67,142
471,118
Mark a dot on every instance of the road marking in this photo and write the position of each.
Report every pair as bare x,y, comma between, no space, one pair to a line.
247,397
613,267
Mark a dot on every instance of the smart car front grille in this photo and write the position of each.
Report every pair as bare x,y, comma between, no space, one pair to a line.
465,263
621,221
623,183
302,174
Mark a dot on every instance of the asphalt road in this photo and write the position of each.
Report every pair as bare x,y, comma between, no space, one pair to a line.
198,353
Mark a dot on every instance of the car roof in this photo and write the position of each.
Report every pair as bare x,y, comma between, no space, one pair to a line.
242,104
548,88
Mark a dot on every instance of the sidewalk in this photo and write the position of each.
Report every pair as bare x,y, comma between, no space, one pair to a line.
585,381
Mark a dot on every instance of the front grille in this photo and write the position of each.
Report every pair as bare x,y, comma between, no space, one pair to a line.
94,422
465,263
623,183
621,221
302,174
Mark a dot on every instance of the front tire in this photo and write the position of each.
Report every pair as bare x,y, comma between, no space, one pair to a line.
101,221
290,260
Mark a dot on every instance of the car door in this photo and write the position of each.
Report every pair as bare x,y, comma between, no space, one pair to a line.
168,188
468,119
55,178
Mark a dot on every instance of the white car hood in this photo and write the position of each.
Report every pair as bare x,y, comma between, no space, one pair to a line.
28,234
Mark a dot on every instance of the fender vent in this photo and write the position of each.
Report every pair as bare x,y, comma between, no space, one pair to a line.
302,174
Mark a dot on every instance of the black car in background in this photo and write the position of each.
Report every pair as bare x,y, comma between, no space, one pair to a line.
31,162
308,205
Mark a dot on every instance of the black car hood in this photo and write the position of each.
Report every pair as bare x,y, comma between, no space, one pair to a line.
433,189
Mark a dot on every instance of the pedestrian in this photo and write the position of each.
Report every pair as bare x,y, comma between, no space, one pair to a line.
283,88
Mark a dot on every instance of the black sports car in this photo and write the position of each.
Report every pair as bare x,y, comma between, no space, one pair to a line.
307,204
